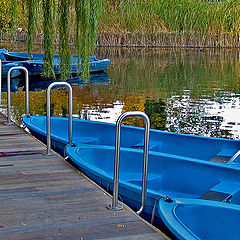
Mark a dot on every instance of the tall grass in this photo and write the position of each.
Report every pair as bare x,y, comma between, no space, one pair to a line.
170,15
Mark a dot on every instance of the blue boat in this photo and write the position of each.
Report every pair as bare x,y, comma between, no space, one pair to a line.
169,177
194,219
180,166
23,56
35,66
214,150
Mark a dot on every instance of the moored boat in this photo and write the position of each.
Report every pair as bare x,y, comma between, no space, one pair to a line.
169,177
215,150
180,166
21,56
35,65
194,219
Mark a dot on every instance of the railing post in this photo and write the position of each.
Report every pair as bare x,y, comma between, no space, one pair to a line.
115,206
9,93
49,113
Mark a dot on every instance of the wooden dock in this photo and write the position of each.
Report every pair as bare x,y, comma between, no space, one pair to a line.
44,197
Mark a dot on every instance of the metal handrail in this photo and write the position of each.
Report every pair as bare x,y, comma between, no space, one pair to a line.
115,206
9,92
49,113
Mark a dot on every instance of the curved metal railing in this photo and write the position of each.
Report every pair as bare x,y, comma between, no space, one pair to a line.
9,92
49,113
115,206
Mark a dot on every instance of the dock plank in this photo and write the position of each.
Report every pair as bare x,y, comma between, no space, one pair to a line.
44,197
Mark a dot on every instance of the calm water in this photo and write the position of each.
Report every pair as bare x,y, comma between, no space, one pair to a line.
188,91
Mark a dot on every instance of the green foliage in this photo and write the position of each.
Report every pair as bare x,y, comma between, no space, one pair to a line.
48,7
14,12
170,15
120,16
33,6
64,48
4,18
86,31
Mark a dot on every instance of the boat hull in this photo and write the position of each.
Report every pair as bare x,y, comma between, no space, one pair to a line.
168,175
35,66
192,219
215,150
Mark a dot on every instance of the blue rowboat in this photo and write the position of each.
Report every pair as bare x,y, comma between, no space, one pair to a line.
180,166
21,56
36,67
194,219
214,150
169,177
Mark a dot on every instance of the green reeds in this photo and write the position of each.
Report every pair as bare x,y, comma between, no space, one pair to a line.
171,15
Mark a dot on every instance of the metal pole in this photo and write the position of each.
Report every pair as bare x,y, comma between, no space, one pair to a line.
49,113
9,92
115,206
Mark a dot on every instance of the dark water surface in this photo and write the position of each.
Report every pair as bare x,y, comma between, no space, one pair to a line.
190,91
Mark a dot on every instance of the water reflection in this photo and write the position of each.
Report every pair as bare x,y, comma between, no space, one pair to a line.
14,85
36,84
181,90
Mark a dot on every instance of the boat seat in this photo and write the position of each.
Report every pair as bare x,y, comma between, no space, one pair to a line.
153,145
221,192
220,159
223,156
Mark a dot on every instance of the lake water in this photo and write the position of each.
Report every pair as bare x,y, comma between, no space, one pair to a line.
191,91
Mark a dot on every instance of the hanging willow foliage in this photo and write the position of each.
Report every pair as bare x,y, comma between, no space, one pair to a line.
64,48
86,32
32,6
48,11
14,12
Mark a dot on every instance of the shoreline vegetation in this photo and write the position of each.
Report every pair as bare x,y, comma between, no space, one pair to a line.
157,23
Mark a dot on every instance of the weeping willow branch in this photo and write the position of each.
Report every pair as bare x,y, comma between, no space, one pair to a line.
64,48
48,6
33,5
95,8
14,12
86,31
86,28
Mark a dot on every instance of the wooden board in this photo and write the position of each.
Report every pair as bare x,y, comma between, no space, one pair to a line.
44,197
